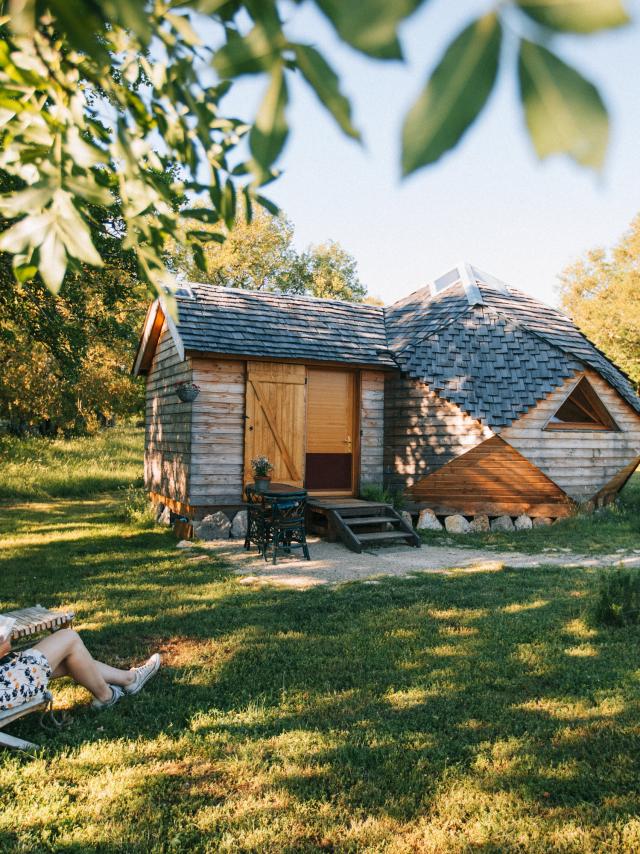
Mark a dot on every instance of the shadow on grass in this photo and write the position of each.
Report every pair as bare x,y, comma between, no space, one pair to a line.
374,700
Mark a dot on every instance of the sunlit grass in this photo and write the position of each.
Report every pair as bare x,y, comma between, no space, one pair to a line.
437,713
39,468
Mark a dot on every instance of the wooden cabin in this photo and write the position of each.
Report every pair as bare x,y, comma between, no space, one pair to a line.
468,396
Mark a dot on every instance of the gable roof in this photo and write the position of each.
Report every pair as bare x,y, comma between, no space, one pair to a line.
491,349
279,326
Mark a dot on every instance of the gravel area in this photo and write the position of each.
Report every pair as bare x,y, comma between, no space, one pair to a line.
332,563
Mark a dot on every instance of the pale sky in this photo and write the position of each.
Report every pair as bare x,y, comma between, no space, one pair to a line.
489,202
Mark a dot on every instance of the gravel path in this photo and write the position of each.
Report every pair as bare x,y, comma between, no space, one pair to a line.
332,563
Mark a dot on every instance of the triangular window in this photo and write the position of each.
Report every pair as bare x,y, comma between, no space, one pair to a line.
582,410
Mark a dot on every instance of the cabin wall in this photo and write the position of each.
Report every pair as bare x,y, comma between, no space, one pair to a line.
372,385
582,463
422,432
217,441
167,423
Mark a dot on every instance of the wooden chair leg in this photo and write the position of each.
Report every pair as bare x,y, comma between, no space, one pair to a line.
14,743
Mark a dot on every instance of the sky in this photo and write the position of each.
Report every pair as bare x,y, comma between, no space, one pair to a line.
490,201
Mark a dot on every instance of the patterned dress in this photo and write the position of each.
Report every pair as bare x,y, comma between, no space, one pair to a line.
24,676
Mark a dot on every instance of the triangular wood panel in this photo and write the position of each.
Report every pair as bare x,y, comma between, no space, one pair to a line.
492,478
275,420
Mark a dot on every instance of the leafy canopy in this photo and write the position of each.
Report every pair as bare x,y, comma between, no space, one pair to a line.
100,99
600,292
259,254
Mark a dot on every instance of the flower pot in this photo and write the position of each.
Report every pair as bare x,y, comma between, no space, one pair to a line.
261,484
187,394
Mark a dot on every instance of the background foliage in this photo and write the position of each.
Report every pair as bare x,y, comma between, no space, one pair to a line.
101,99
601,292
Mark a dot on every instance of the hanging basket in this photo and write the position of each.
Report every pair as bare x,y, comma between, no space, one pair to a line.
187,392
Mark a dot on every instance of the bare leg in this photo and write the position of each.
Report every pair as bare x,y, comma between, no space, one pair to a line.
68,656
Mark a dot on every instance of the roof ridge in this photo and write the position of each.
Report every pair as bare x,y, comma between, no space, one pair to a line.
273,295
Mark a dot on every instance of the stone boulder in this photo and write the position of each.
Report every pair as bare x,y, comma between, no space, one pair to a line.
164,517
215,526
502,523
407,518
457,525
428,521
542,522
239,525
184,544
523,523
479,524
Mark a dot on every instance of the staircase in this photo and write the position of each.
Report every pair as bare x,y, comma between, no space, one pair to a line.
360,525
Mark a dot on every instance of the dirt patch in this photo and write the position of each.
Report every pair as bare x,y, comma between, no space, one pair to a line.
332,563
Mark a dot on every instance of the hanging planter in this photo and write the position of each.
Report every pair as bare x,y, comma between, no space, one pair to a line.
187,392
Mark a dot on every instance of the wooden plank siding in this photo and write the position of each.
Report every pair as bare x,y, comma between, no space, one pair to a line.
491,478
167,423
372,385
217,433
581,462
422,432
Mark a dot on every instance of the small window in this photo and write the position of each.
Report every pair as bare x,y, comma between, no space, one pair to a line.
582,410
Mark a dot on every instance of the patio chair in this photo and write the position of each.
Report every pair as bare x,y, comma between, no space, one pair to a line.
284,525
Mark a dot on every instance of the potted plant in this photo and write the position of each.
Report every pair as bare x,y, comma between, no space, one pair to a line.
187,391
261,473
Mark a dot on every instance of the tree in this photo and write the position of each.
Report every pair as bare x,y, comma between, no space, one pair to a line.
98,98
259,255
600,292
66,357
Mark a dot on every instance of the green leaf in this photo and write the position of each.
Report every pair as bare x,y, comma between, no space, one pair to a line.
206,236
202,214
254,53
325,83
564,112
371,26
576,16
182,26
269,133
454,95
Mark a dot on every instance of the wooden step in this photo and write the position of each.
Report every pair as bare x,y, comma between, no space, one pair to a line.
384,536
368,520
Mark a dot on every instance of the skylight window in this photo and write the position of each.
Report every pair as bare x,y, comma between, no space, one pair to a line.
582,410
471,278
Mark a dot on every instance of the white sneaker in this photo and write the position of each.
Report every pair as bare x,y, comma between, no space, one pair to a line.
143,674
116,694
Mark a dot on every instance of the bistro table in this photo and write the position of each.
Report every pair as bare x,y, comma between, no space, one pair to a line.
276,518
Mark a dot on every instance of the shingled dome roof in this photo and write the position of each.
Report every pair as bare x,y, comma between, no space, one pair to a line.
492,350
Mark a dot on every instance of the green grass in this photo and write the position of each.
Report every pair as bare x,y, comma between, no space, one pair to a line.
475,710
607,530
57,468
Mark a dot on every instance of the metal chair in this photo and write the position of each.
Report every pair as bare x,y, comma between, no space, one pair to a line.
285,525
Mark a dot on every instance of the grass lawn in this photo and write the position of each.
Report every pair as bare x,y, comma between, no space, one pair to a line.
433,713
55,468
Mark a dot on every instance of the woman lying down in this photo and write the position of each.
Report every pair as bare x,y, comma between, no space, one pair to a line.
24,675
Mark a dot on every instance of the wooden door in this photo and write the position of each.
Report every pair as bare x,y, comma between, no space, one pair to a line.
275,420
330,430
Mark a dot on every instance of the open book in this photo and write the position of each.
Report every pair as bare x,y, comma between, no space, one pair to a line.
6,628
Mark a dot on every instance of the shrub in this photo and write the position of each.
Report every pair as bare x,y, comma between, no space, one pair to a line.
375,492
136,507
618,599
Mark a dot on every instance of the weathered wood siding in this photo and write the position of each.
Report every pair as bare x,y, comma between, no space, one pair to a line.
167,423
422,432
217,439
581,462
371,427
490,478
